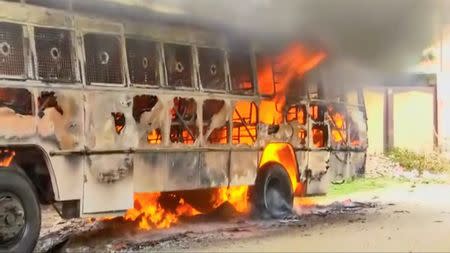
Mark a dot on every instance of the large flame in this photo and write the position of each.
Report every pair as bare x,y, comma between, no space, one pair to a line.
150,213
235,195
275,76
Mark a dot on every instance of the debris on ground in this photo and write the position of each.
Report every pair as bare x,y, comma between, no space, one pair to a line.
383,166
84,235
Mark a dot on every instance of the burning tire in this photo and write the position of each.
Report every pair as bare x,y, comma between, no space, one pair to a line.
20,214
273,195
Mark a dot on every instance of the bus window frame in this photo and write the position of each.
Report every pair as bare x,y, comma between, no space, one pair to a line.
124,65
27,52
253,74
78,75
194,78
225,65
161,70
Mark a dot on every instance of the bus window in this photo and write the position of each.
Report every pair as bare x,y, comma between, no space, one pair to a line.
319,135
19,100
297,113
241,72
178,60
12,62
143,62
183,128
215,121
103,58
338,124
302,134
212,68
316,111
245,118
144,113
54,54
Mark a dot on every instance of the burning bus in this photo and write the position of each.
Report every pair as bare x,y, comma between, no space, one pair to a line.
102,116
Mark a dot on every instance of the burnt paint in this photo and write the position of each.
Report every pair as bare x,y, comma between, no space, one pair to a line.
47,99
119,121
141,104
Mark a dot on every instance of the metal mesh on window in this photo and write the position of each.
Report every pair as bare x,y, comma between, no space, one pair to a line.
12,62
103,58
54,54
241,72
212,69
143,61
179,65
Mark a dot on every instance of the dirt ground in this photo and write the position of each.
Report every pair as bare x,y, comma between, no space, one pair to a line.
406,217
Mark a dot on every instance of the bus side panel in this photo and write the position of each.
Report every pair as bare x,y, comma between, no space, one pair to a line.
18,122
60,128
150,172
183,171
358,140
302,161
243,167
357,163
339,168
320,178
214,168
108,184
110,128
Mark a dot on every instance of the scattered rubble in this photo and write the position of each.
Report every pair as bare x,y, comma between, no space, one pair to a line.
382,166
115,235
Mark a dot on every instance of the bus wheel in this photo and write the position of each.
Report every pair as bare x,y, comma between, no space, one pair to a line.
20,214
273,194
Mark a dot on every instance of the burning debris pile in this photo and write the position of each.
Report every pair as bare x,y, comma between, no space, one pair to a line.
162,210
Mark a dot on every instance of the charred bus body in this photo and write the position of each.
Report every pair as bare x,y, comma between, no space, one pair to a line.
94,110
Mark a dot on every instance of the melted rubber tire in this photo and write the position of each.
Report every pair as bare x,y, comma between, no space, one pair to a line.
273,196
12,180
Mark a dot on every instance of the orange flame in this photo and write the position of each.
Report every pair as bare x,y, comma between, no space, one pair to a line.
235,195
154,136
281,153
6,157
150,213
274,77
338,132
148,210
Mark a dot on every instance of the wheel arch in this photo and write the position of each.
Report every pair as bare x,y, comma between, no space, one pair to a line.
36,164
282,154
